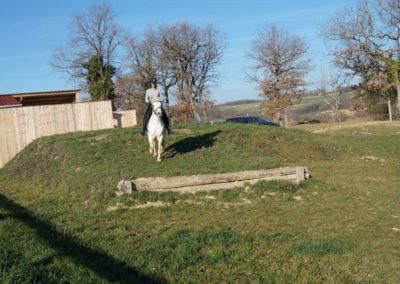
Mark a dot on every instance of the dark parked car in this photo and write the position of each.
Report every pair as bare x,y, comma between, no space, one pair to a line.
251,119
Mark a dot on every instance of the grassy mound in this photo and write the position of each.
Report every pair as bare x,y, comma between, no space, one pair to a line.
89,164
56,226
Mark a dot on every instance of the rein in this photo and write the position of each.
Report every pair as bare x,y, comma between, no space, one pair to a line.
155,110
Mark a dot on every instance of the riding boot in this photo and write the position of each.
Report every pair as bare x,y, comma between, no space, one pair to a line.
146,119
166,123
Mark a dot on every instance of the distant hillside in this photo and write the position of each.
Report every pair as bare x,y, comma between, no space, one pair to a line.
310,107
239,102
248,107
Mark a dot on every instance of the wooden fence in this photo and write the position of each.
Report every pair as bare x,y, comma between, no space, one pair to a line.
125,118
21,125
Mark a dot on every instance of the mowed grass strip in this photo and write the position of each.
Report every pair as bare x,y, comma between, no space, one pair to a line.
336,227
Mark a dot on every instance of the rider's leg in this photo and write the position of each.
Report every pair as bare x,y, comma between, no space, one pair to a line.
166,123
146,119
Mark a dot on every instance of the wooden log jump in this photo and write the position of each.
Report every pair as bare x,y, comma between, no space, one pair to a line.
195,183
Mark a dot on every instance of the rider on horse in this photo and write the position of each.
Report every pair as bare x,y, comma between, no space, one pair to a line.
154,95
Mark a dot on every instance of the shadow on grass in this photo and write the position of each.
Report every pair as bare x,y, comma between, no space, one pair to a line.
191,144
5,216
103,265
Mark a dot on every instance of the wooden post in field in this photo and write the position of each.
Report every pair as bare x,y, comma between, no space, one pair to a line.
390,111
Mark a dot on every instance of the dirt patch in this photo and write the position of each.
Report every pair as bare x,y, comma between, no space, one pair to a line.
96,138
372,158
119,206
210,197
243,201
298,198
183,131
325,127
272,193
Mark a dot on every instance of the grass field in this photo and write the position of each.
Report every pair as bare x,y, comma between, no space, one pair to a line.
242,109
308,108
60,221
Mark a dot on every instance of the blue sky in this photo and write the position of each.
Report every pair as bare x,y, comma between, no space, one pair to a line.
31,30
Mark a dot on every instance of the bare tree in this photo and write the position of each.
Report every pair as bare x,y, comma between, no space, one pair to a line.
129,94
366,39
165,65
91,49
389,53
194,53
332,87
280,68
147,58
141,59
379,84
184,59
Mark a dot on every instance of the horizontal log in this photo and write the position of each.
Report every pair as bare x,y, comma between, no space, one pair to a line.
225,185
219,181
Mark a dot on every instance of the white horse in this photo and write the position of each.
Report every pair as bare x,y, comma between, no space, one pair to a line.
156,131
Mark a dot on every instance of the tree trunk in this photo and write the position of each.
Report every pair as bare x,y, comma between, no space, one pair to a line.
205,114
390,111
396,77
398,95
181,95
337,106
195,113
286,118
166,94
397,82
278,118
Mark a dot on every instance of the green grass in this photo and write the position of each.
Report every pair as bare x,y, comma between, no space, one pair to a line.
335,227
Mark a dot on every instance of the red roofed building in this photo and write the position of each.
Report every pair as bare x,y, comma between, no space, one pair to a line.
9,101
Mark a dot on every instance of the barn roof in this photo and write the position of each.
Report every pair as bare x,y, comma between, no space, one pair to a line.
46,98
8,101
59,92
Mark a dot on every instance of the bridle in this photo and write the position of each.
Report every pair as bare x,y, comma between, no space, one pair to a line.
157,108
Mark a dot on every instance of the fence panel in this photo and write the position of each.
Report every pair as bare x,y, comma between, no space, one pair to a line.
126,118
21,125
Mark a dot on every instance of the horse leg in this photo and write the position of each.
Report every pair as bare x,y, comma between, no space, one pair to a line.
163,145
151,146
154,147
160,143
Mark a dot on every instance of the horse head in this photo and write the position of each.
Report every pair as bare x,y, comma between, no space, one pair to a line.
157,108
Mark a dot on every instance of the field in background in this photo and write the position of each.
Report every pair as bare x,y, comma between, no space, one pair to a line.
236,109
309,108
60,220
